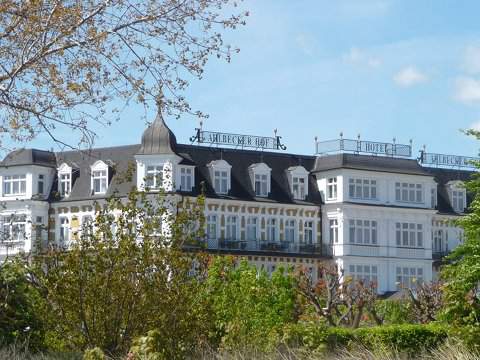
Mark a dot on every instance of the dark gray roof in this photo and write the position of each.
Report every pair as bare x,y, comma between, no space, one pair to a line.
369,163
443,177
30,157
123,158
158,138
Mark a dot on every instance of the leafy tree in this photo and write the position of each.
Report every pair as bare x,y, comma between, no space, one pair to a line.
462,273
19,307
63,61
250,307
124,275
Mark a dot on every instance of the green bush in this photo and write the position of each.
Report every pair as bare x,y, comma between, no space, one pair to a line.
404,338
394,312
94,354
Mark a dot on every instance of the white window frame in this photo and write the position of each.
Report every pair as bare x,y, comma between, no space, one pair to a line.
367,273
232,228
362,189
261,185
333,231
220,175
65,180
252,230
332,188
458,200
153,176
272,230
260,175
64,234
363,232
212,227
13,227
299,187
408,192
309,232
409,235
17,180
290,230
99,172
41,180
434,197
409,276
187,178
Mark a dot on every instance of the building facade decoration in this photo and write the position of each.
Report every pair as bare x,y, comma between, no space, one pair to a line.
369,207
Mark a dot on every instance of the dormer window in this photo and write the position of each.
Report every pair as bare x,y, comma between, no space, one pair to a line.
154,176
99,178
458,200
260,177
14,185
298,179
186,178
99,182
221,182
261,185
220,175
65,184
458,196
41,184
64,180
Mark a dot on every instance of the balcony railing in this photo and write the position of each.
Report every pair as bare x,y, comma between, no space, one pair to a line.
439,254
11,247
266,246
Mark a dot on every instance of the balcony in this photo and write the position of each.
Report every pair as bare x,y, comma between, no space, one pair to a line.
11,247
264,246
439,254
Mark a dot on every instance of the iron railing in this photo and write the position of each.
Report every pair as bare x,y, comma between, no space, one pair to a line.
285,247
361,146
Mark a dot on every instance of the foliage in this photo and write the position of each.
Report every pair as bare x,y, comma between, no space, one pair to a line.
63,62
338,299
462,273
394,312
19,319
94,354
250,307
123,276
405,338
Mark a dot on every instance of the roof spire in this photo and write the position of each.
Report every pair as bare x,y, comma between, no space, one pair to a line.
158,138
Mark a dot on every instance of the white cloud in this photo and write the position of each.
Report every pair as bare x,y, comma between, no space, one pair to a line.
409,76
360,57
467,90
471,61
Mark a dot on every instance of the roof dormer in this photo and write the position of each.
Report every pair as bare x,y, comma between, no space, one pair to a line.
220,175
64,179
260,174
100,174
298,181
457,195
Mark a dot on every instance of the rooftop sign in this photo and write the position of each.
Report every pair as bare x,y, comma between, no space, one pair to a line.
238,140
447,160
365,147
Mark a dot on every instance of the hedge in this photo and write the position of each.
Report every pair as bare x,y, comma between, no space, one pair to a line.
404,338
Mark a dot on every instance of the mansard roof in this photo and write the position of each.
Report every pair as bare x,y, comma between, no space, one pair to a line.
369,163
30,157
443,177
158,138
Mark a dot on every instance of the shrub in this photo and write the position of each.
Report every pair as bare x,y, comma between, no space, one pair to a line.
94,354
404,338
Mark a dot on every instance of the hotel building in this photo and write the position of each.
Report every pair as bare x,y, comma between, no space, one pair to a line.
372,208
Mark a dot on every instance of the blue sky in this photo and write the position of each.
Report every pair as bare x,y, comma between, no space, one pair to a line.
381,68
